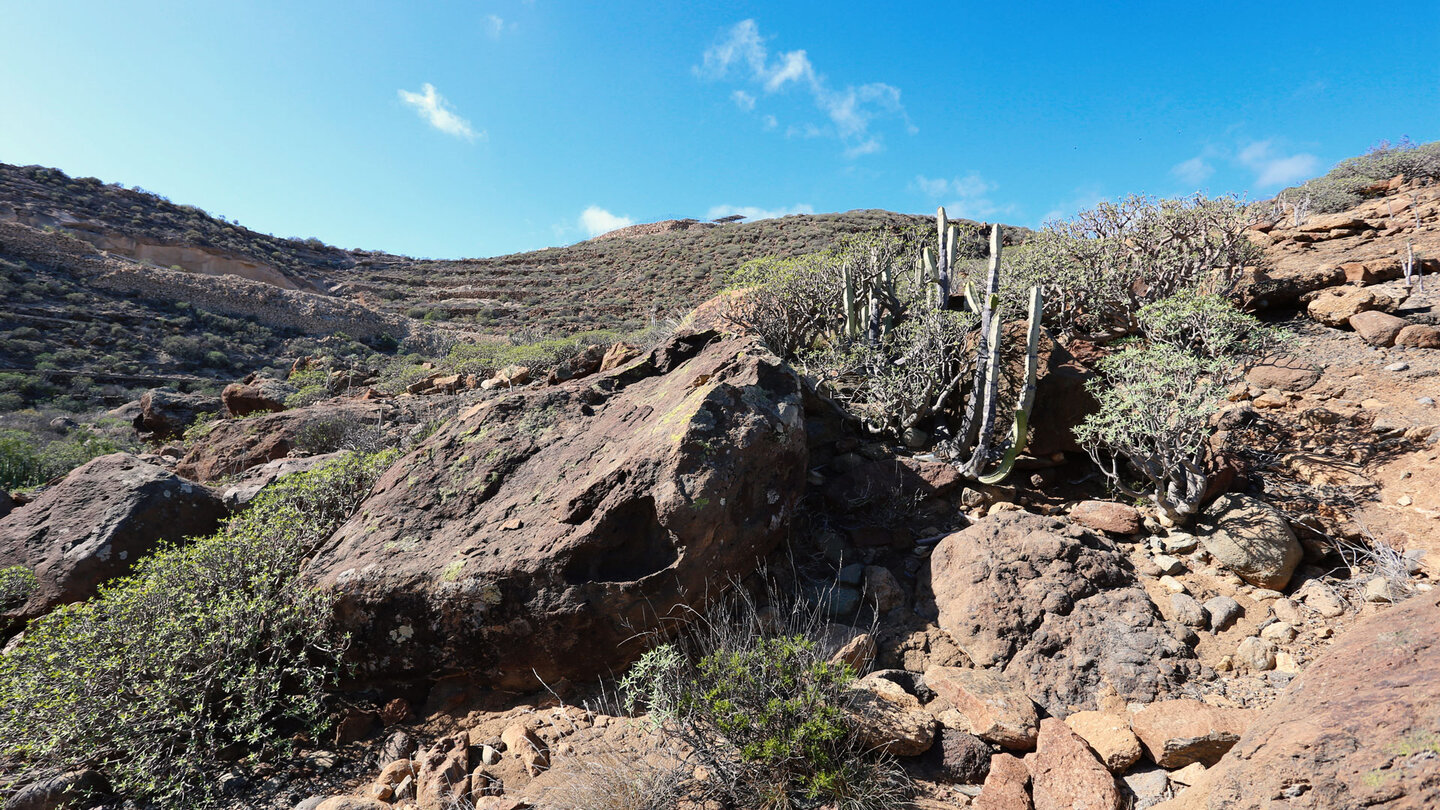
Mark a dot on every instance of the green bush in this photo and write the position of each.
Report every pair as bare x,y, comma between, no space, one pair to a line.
1205,324
208,653
30,458
16,584
1152,431
765,712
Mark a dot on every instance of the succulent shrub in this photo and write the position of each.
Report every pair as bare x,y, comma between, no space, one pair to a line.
211,652
1343,186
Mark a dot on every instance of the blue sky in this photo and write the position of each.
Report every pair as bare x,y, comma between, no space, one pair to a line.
451,129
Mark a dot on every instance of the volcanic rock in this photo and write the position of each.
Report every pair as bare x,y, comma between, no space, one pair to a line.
1064,773
1252,539
631,496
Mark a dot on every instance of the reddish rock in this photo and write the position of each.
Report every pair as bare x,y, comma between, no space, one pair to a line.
396,711
1358,728
1062,400
99,521
256,395
582,364
1260,289
1418,336
1283,373
1377,328
998,712
1007,786
1335,306
444,774
888,719
617,356
234,446
1058,608
1371,272
1176,733
636,495
1107,516
1064,773
354,724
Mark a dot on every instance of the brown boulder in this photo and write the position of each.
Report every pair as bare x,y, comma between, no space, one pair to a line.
888,719
234,446
1058,607
584,363
1283,373
1371,272
96,523
1251,538
1358,728
960,756
997,711
617,356
254,395
1007,785
540,534
1062,401
1282,287
1337,305
165,414
1109,736
1107,516
1419,336
1176,733
443,780
1377,328
1065,775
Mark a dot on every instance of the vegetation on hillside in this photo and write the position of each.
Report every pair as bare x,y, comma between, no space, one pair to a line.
210,653
1348,183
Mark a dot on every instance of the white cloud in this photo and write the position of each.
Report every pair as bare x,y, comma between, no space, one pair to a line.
494,25
771,122
743,100
432,106
1273,168
851,111
753,212
969,196
1195,171
596,220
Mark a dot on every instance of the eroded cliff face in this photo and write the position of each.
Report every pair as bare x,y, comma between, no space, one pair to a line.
194,258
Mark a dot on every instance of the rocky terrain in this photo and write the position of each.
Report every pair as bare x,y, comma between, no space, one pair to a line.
1031,643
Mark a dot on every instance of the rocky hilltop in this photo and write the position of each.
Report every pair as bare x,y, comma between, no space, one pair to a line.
698,568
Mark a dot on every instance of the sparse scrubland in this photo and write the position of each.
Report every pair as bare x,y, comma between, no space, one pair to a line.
959,589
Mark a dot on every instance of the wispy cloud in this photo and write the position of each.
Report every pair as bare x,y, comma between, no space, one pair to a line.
1195,171
596,220
1273,167
967,197
1271,164
433,107
741,54
743,100
494,25
754,212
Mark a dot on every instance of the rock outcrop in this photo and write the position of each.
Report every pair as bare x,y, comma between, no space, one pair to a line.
164,414
97,522
234,446
537,533
1058,608
1359,728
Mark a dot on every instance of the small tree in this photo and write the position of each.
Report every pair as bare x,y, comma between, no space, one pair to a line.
1152,432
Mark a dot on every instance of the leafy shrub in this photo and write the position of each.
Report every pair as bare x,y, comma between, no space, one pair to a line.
31,458
1100,268
1151,433
342,432
208,652
764,712
1205,324
16,584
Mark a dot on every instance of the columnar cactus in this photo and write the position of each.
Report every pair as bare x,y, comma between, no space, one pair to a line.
973,445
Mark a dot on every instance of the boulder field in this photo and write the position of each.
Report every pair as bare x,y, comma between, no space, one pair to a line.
540,534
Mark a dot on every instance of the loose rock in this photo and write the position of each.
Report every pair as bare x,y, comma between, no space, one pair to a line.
1178,732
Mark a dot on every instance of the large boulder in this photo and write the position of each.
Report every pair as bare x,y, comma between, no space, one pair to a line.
1062,401
1282,372
96,523
1337,305
1377,328
1252,539
1059,609
256,395
164,414
1176,733
1358,728
234,446
540,534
